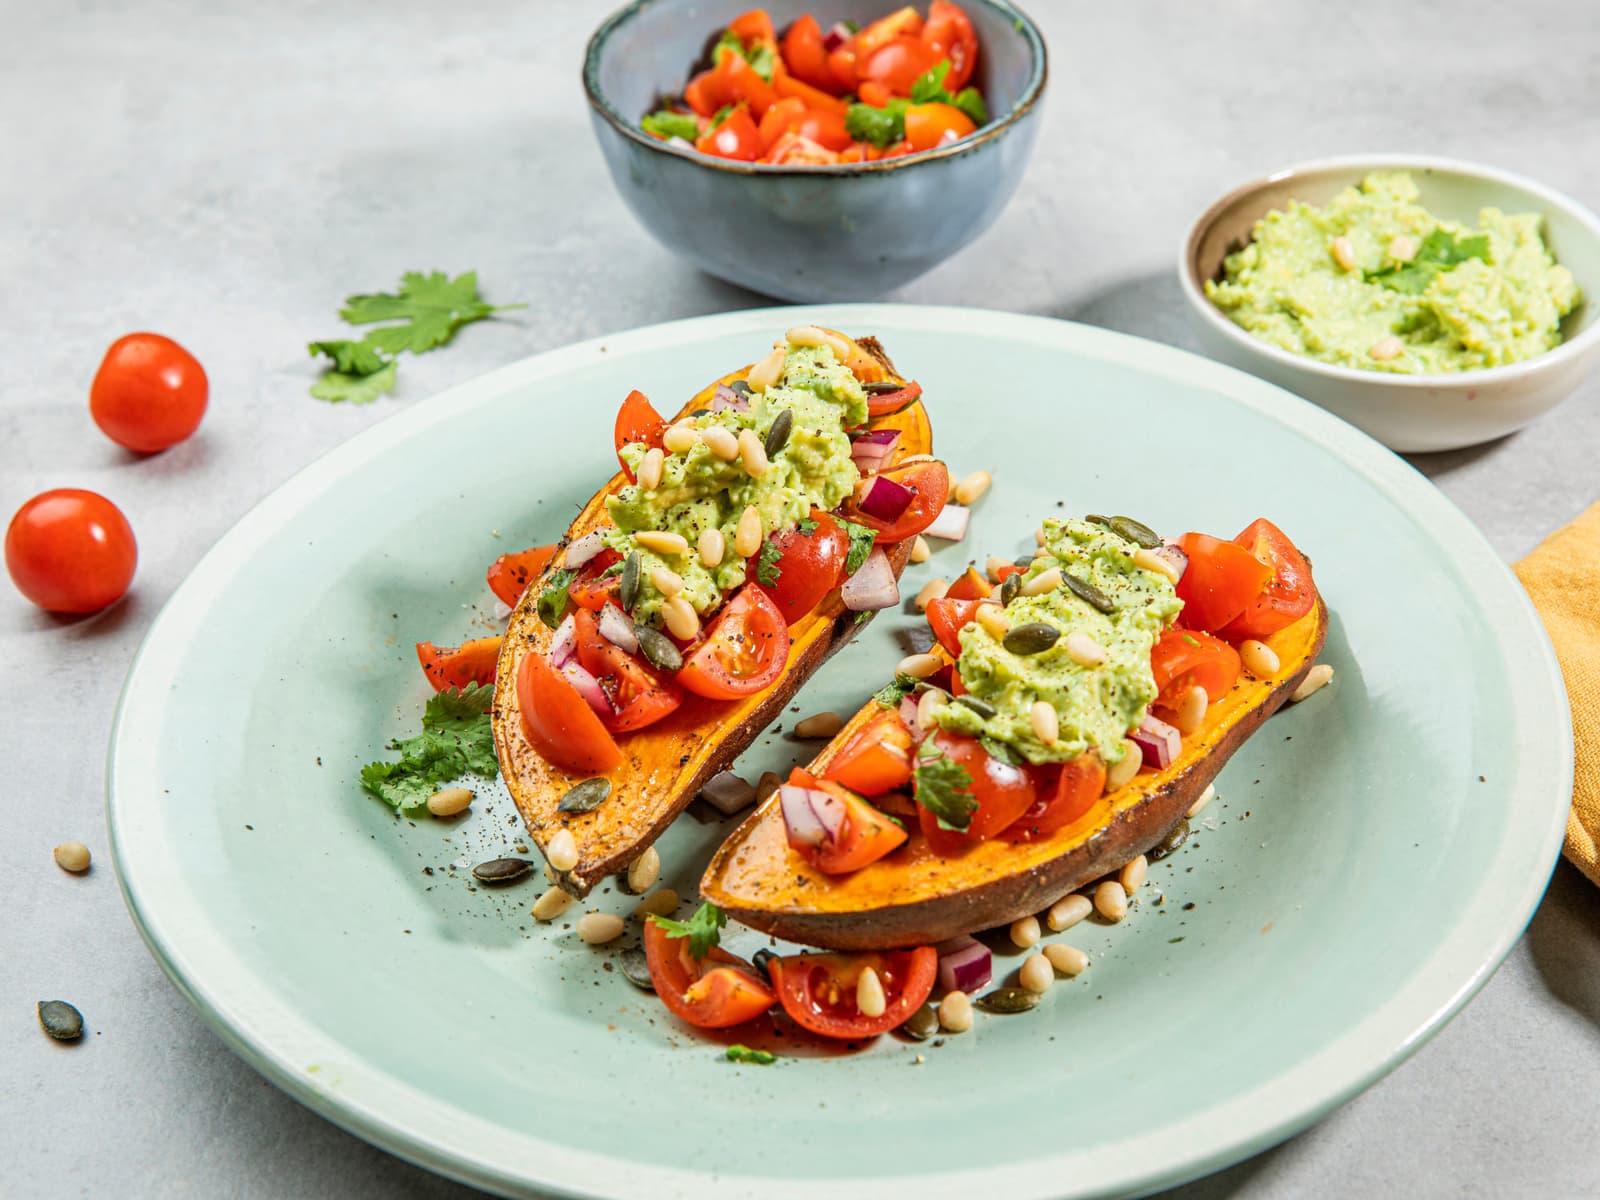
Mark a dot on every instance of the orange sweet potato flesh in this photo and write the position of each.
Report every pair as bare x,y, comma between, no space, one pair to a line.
915,898
665,765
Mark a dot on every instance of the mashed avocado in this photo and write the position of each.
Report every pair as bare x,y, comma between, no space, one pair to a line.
699,491
1375,281
1095,706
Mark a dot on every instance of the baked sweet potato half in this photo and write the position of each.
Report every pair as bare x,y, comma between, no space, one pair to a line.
665,764
916,898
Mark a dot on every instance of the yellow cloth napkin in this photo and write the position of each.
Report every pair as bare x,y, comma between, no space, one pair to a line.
1563,577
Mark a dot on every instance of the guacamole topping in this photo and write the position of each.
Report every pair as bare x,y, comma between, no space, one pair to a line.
1095,706
1376,281
699,491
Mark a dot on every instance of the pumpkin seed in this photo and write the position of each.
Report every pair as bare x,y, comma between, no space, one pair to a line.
882,387
706,412
586,796
1097,519
636,969
501,870
1167,845
658,647
778,433
761,958
60,1020
630,581
1134,531
1088,593
1034,637
1010,588
982,707
922,1024
1008,1000
1001,751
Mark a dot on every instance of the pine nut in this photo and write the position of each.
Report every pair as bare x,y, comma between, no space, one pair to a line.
753,454
1068,960
598,928
1260,659
812,335
993,618
561,852
918,666
1119,774
649,474
919,550
1038,537
1403,248
661,542
747,534
72,856
1024,932
1149,560
1386,348
680,618
1110,901
994,566
721,441
1046,725
1315,680
1206,797
668,583
768,371
970,489
551,905
644,871
680,439
1067,912
955,1013
660,903
1084,650
766,785
1191,711
820,725
449,802
1036,974
712,547
926,703
1344,253
870,1000
1133,873
1044,581
951,497
933,590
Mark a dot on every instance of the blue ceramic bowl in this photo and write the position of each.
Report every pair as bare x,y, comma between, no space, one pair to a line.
808,233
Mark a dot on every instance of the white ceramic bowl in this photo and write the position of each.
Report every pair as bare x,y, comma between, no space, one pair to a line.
1407,412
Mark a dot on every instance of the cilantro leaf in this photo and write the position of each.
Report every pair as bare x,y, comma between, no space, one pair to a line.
669,124
351,358
740,1053
929,88
758,54
883,127
432,307
944,787
970,101
337,386
718,117
1439,252
552,602
999,750
767,568
896,690
806,527
702,929
862,540
457,739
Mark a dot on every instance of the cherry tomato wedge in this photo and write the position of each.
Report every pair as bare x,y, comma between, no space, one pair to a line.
972,584
592,588
1222,579
877,759
1286,597
71,551
754,28
510,574
948,618
875,94
949,31
865,835
808,565
781,118
706,93
930,481
456,666
794,149
816,99
903,22
842,66
931,125
737,137
897,64
637,421
804,54
713,992
1186,658
1003,793
559,723
745,649
638,693
149,393
744,85
892,402
819,990
1065,792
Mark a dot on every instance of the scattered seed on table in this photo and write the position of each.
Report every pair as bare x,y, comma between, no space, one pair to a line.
60,1020
72,856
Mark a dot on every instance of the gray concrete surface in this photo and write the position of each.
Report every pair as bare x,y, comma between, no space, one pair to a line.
226,172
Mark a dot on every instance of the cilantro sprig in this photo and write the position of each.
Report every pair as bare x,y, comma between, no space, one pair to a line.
896,690
862,540
669,124
767,569
456,739
1439,252
944,787
552,603
704,929
883,127
930,89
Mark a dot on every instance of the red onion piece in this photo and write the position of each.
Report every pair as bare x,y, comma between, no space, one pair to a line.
564,644
908,714
838,34
965,968
617,629
1173,554
811,816
728,793
581,550
884,498
877,437
873,586
1159,742
589,688
728,400
951,523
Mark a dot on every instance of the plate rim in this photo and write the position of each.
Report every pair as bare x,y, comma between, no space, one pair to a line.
1215,1137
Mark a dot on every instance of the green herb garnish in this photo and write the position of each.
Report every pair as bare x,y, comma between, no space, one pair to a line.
970,101
944,787
703,929
883,127
862,540
740,1053
1439,252
767,568
456,739
896,690
929,88
669,124
552,602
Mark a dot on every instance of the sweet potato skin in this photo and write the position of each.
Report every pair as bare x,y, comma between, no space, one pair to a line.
665,765
914,898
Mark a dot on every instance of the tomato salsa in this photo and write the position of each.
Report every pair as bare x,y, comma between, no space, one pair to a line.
816,97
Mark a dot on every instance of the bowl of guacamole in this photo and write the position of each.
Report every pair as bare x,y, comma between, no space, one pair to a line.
1433,303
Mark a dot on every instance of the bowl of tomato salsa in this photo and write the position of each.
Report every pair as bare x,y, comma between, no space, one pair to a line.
812,151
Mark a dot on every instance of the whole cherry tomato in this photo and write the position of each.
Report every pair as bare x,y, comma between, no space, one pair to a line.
71,551
149,393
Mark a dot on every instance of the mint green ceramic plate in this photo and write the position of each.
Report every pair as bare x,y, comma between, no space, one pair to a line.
1373,854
